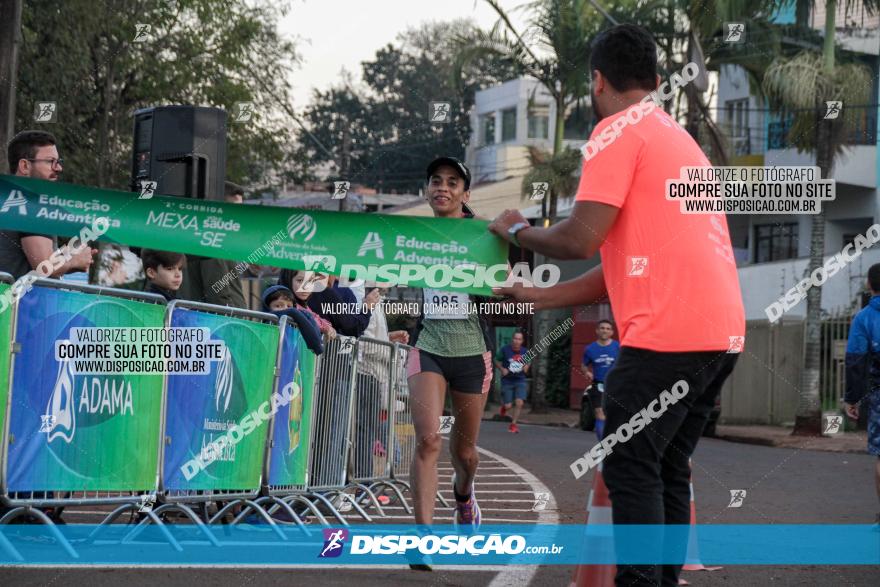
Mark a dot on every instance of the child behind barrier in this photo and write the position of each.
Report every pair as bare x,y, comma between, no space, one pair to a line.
302,283
278,300
163,271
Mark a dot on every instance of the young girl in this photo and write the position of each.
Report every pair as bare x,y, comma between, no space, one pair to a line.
302,283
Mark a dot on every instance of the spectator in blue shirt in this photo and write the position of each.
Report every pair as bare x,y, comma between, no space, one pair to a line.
863,369
598,359
514,387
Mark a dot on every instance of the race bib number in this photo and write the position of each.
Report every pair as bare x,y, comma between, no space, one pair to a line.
515,366
445,305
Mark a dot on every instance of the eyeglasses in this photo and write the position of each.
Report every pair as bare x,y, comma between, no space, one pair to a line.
52,162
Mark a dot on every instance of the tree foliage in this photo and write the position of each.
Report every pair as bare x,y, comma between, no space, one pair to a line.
386,119
83,56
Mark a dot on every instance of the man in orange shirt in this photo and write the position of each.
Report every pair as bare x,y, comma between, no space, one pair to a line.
671,279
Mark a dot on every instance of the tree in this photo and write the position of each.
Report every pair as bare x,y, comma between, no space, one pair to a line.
801,86
92,62
554,49
10,39
391,138
557,170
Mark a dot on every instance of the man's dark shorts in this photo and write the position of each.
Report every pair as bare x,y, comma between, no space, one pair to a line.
595,395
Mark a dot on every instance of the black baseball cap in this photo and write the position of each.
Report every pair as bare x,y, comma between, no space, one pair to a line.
460,167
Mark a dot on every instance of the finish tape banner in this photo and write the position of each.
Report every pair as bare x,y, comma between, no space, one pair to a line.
441,253
216,424
72,432
289,457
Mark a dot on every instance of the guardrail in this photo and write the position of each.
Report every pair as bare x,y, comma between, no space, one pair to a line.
339,430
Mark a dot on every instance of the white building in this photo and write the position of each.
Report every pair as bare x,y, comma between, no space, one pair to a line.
772,250
509,118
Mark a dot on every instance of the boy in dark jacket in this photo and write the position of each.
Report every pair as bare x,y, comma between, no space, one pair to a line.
278,300
163,271
863,369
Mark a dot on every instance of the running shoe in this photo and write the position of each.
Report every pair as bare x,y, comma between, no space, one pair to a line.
513,428
467,513
503,411
417,560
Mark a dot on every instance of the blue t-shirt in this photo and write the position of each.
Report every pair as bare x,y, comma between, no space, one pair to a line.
512,361
601,358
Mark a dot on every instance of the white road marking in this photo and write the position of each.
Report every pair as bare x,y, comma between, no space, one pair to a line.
522,575
508,575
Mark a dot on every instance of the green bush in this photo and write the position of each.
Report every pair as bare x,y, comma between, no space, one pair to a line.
559,370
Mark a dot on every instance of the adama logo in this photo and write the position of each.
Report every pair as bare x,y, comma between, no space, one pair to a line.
60,419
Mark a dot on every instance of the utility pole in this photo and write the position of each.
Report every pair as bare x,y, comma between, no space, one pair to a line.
344,163
10,40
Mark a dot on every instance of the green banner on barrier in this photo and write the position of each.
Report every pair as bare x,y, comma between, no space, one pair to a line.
441,253
289,452
5,356
72,432
231,403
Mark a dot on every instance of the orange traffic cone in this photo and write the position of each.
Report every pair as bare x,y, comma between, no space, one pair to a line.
598,512
692,561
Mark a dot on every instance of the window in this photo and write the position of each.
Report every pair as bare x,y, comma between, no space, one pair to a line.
508,125
487,124
539,122
738,117
775,242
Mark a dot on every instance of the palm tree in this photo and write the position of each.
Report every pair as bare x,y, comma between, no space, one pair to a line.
801,86
557,170
554,49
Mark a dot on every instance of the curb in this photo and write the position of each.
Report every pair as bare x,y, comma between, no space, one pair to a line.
761,441
558,424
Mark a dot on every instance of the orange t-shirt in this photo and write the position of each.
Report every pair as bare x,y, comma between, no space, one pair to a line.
671,277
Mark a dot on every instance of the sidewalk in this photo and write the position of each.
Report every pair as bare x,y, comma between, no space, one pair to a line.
854,442
554,416
778,436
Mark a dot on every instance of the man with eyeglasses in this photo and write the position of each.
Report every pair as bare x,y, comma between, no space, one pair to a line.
33,153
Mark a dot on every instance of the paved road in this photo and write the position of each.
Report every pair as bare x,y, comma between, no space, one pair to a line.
783,486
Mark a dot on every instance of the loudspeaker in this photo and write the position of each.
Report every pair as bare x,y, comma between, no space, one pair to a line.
182,149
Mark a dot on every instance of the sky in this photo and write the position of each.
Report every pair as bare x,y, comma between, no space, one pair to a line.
337,34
